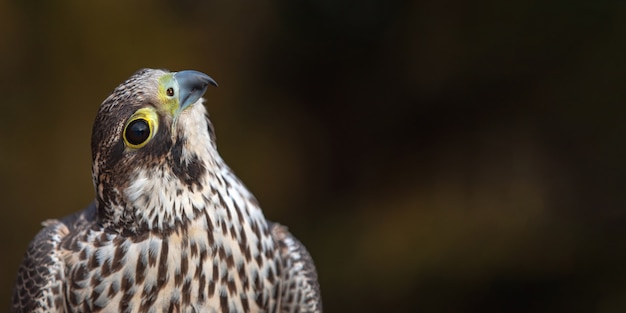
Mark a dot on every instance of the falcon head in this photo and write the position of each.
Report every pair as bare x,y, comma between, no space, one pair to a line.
153,149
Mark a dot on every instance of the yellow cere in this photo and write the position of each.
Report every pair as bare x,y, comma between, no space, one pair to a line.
168,101
148,114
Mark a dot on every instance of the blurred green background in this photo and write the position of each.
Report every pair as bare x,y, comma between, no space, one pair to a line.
434,156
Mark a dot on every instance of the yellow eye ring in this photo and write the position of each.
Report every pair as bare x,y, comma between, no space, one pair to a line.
140,128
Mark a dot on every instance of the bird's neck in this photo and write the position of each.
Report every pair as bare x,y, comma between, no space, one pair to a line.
157,202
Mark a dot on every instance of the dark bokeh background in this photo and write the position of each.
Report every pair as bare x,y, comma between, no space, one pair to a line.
434,156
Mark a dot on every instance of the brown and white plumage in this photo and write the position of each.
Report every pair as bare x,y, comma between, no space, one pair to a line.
172,229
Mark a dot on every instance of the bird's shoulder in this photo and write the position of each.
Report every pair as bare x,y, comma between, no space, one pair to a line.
39,285
301,291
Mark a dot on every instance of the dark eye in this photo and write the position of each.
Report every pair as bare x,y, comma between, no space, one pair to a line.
137,132
170,91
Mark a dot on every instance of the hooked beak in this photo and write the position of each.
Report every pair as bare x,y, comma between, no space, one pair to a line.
191,86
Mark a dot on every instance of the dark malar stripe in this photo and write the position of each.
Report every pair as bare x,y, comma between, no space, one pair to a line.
190,171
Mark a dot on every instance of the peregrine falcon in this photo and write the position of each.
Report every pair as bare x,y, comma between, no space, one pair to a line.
172,229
